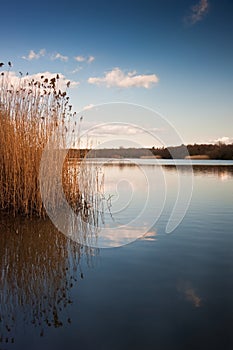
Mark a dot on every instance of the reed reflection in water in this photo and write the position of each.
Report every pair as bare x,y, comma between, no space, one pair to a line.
39,266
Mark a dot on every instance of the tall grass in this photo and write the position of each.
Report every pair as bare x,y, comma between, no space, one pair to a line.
30,113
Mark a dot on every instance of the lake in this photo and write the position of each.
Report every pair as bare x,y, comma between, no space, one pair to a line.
147,289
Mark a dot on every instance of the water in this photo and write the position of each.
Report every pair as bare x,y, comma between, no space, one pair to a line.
162,291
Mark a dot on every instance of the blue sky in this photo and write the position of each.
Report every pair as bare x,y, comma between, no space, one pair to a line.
172,56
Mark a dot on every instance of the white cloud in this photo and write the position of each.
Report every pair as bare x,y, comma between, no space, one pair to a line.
16,81
225,139
59,56
33,55
197,12
90,59
80,58
118,78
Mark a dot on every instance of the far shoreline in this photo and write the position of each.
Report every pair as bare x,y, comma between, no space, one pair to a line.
218,151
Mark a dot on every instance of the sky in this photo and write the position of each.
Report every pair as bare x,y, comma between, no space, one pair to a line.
171,56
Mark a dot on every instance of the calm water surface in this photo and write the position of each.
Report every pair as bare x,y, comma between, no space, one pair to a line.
162,291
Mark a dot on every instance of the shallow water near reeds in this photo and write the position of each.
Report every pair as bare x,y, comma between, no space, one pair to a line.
162,291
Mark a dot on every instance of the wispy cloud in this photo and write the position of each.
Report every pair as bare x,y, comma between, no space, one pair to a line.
88,59
60,57
76,70
198,11
79,58
113,129
33,55
118,78
90,106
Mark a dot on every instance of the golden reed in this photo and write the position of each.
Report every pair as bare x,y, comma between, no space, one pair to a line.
30,113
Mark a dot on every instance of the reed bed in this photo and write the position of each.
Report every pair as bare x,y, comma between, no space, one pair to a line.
33,112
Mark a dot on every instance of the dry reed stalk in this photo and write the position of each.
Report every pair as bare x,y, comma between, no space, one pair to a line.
31,112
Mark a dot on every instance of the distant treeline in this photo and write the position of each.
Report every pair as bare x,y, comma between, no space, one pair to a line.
211,151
